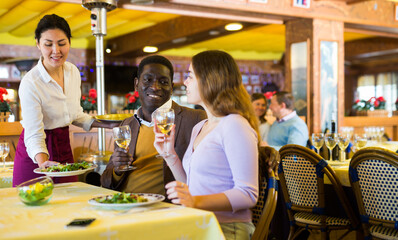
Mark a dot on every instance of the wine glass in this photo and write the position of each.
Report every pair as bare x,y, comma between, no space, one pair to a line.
164,121
317,140
360,140
4,150
331,141
122,136
343,141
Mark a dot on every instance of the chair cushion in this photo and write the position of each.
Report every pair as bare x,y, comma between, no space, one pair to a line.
314,219
383,232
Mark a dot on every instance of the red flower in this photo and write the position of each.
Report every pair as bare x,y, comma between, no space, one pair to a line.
380,99
357,101
128,95
269,95
132,99
3,91
136,94
92,93
376,103
84,97
93,102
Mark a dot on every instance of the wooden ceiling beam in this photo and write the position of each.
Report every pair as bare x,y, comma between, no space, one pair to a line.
169,34
370,47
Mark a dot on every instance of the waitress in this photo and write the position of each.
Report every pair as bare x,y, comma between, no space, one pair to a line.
50,102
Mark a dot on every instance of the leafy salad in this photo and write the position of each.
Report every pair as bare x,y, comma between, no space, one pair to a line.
122,198
34,193
68,167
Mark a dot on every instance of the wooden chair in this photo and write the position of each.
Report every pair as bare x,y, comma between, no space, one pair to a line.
266,204
374,179
301,174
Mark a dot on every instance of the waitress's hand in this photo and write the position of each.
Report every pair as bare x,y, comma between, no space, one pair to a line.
178,193
120,157
43,162
164,142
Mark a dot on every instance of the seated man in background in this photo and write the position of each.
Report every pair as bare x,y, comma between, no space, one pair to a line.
288,127
154,83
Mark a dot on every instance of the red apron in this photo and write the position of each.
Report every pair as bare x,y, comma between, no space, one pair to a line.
58,146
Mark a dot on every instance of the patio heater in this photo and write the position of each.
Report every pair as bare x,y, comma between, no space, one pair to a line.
98,9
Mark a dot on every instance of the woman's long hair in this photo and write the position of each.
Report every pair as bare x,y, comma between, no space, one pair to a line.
220,86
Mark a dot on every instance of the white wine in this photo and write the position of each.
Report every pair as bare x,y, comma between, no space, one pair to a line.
165,128
122,142
360,143
318,144
331,143
343,144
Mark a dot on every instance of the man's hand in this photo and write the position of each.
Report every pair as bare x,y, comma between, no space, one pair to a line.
120,157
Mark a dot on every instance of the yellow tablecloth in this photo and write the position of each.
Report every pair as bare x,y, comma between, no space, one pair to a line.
6,178
70,201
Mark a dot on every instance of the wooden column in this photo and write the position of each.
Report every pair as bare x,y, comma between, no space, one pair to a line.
314,31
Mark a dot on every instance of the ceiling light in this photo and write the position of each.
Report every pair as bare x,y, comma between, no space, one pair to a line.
142,2
150,49
233,27
108,50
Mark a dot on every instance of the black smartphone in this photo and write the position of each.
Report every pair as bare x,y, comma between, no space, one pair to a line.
80,222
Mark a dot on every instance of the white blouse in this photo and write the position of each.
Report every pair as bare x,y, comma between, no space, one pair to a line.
45,106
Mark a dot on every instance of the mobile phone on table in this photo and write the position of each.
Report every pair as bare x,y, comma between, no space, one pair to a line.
80,222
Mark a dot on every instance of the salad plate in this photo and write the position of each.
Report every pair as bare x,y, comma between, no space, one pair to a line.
61,170
115,201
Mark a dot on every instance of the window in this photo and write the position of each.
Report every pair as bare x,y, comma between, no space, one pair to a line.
382,84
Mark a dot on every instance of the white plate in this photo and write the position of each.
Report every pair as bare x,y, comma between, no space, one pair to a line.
152,198
65,174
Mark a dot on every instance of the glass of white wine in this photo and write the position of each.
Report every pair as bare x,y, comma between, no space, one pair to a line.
344,140
122,136
360,141
164,120
330,141
4,150
317,140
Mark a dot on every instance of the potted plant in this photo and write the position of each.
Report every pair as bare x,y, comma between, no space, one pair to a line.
89,103
133,102
5,109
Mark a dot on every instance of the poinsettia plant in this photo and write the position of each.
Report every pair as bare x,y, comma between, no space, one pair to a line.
133,101
89,103
268,95
371,104
4,104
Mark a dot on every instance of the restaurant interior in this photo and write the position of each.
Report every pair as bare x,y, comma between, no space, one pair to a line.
339,59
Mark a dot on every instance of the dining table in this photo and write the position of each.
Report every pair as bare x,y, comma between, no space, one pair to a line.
70,201
6,177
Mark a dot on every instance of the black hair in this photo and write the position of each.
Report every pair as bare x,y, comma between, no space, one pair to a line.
156,59
52,21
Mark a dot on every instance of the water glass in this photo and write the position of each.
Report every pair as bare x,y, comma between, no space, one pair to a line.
343,141
4,150
317,141
331,141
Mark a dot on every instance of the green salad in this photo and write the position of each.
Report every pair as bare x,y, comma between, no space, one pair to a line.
68,167
34,193
122,198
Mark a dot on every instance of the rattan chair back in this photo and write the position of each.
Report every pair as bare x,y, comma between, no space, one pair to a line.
301,174
374,178
264,210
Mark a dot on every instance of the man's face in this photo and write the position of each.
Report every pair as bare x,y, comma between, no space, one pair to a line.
154,86
275,107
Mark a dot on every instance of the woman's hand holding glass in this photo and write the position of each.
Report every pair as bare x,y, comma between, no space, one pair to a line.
4,150
318,140
344,140
164,122
122,136
165,150
178,193
330,141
